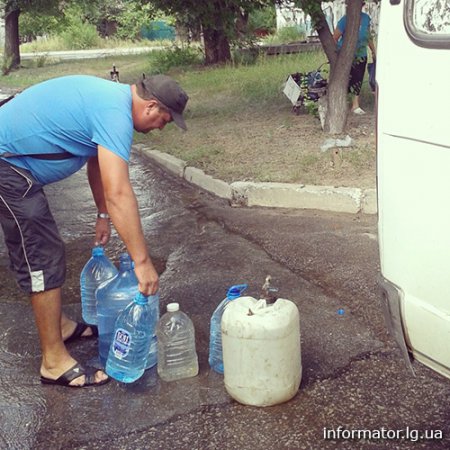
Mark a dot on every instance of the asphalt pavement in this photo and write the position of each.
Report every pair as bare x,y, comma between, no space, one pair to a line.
356,392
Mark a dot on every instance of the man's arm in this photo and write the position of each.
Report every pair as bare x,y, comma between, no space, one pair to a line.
340,27
102,226
122,207
337,34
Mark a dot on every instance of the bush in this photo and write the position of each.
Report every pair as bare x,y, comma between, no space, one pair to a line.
164,60
287,34
245,56
6,65
131,20
79,36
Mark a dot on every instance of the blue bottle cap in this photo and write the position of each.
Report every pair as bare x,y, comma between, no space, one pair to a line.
98,251
125,262
236,291
124,257
141,299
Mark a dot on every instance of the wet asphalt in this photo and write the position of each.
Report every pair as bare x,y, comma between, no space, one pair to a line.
353,374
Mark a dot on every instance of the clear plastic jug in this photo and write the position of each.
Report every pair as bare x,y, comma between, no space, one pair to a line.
177,357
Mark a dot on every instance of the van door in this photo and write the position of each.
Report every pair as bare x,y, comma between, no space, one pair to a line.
413,174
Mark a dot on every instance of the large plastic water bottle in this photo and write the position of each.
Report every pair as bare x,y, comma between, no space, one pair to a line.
152,357
96,271
177,357
134,329
112,298
215,335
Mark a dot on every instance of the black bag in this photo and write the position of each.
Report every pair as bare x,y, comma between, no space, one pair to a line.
312,84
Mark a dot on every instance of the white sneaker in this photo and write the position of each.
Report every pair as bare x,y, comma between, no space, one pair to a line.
359,111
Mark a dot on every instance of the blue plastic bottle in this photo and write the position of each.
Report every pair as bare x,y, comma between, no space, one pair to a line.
112,298
96,271
134,329
215,358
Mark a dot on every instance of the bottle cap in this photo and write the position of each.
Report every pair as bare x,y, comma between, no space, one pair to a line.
141,299
125,262
97,251
236,291
172,307
124,257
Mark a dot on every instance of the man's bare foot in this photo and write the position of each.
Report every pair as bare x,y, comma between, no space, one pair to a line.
72,330
73,375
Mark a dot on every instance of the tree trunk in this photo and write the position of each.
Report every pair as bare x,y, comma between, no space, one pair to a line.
339,74
217,47
337,107
12,51
340,64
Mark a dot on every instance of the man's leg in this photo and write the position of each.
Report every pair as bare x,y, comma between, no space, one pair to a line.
355,103
55,358
37,257
356,79
68,327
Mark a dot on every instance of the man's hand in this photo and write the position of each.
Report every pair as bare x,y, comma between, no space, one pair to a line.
147,277
102,231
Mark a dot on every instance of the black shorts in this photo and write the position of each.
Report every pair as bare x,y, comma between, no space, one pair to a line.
357,75
36,250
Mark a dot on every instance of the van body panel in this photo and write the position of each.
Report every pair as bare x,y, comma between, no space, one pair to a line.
413,184
414,87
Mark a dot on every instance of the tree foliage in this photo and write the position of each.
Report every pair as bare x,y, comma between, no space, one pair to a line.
219,21
74,16
128,15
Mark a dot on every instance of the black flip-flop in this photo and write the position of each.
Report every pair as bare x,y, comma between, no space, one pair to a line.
79,330
75,372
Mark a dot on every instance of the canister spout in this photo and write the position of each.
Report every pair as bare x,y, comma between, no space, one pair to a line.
269,292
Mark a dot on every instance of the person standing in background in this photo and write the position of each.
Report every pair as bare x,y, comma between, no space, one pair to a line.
360,61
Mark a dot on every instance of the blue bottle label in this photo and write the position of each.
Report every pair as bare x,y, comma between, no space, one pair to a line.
121,343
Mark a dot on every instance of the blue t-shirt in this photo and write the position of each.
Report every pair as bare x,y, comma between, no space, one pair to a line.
67,114
363,36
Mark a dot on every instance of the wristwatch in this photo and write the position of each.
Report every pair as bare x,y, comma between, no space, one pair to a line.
102,216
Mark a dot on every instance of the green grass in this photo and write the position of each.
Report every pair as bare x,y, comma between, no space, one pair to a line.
228,89
130,68
56,43
286,35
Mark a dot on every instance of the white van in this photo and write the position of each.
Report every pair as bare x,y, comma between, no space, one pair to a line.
413,175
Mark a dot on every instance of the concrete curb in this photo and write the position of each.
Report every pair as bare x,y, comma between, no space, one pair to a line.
278,195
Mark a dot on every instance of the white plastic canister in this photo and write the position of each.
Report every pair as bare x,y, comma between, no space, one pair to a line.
261,351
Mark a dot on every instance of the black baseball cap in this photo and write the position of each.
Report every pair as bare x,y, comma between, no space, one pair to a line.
168,92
